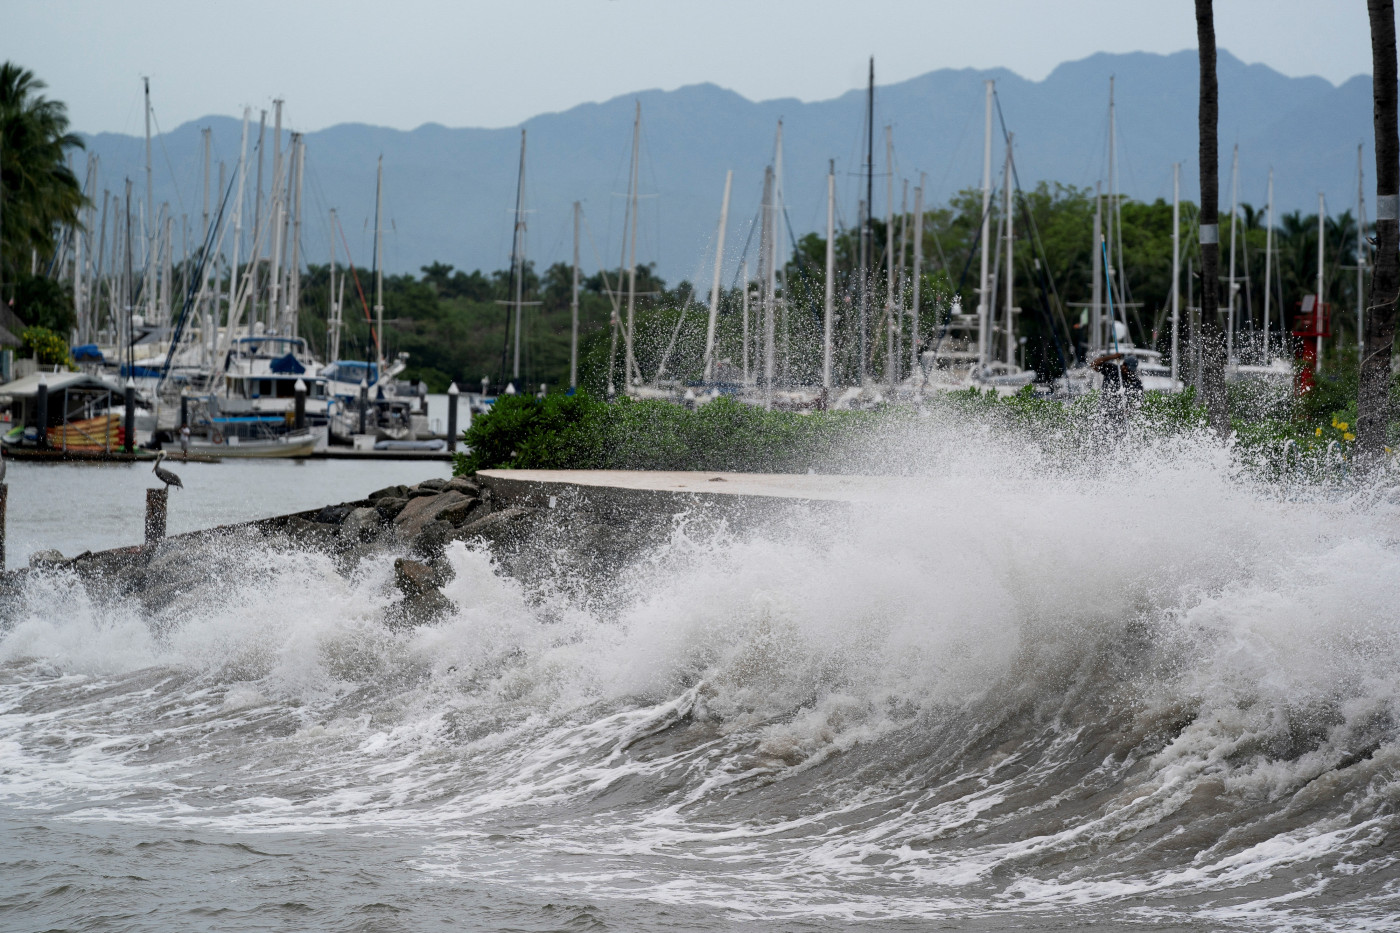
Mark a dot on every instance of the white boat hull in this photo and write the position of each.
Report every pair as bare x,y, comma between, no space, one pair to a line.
290,445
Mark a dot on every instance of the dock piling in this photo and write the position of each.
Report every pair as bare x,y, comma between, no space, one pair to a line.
299,415
364,404
452,395
130,439
41,412
4,501
155,514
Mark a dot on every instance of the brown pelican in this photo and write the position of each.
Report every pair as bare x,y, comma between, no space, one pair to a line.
165,476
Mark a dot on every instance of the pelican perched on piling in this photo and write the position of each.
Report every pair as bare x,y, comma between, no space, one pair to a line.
165,476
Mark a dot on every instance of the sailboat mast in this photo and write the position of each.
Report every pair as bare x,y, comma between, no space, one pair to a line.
127,349
901,276
984,304
1360,255
744,281
518,257
779,241
94,289
1096,336
294,271
1268,265
631,362
918,275
1321,236
1010,259
827,303
167,269
230,324
333,318
149,287
211,312
714,287
275,277
1234,227
1115,216
379,270
78,228
277,207
891,364
573,309
1176,272
866,238
208,155
257,215
769,290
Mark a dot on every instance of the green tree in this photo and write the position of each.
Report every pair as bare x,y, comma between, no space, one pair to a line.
39,194
43,302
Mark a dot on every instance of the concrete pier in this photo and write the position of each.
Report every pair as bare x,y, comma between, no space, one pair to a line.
642,486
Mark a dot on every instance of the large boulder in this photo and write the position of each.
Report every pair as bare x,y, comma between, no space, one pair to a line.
334,514
390,507
457,515
420,512
422,602
360,523
463,485
506,526
389,492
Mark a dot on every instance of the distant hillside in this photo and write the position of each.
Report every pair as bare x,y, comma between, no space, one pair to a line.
449,192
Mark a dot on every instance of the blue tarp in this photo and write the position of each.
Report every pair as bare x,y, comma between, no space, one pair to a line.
287,365
352,371
87,353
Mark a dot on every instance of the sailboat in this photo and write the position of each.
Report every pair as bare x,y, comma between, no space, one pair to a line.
389,405
1107,322
962,356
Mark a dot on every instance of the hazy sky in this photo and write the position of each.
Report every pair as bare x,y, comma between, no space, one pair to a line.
408,62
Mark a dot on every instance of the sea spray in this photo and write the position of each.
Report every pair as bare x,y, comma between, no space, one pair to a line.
1143,686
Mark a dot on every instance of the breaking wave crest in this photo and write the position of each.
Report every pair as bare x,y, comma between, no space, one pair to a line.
1149,687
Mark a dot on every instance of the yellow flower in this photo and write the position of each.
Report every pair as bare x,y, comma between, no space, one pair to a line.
1340,426
1349,436
1318,432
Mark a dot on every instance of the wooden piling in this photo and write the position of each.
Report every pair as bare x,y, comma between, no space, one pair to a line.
155,514
4,500
129,442
299,406
41,409
453,394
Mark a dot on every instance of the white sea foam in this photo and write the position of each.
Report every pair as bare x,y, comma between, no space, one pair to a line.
1145,677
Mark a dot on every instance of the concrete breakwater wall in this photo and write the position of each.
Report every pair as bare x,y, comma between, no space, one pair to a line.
593,522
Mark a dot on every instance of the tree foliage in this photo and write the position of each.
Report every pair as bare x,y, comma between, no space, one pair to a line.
39,194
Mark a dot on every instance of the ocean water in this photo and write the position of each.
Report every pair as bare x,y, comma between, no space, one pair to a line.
1145,693
76,507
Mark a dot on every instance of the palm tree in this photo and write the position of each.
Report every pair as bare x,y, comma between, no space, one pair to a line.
38,192
1211,339
1372,409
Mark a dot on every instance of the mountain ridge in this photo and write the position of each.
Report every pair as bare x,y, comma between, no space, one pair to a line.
449,191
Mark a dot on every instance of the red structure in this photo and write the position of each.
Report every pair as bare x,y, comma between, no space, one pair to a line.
1310,326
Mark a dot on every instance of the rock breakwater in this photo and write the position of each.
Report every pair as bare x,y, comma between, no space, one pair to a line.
531,529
